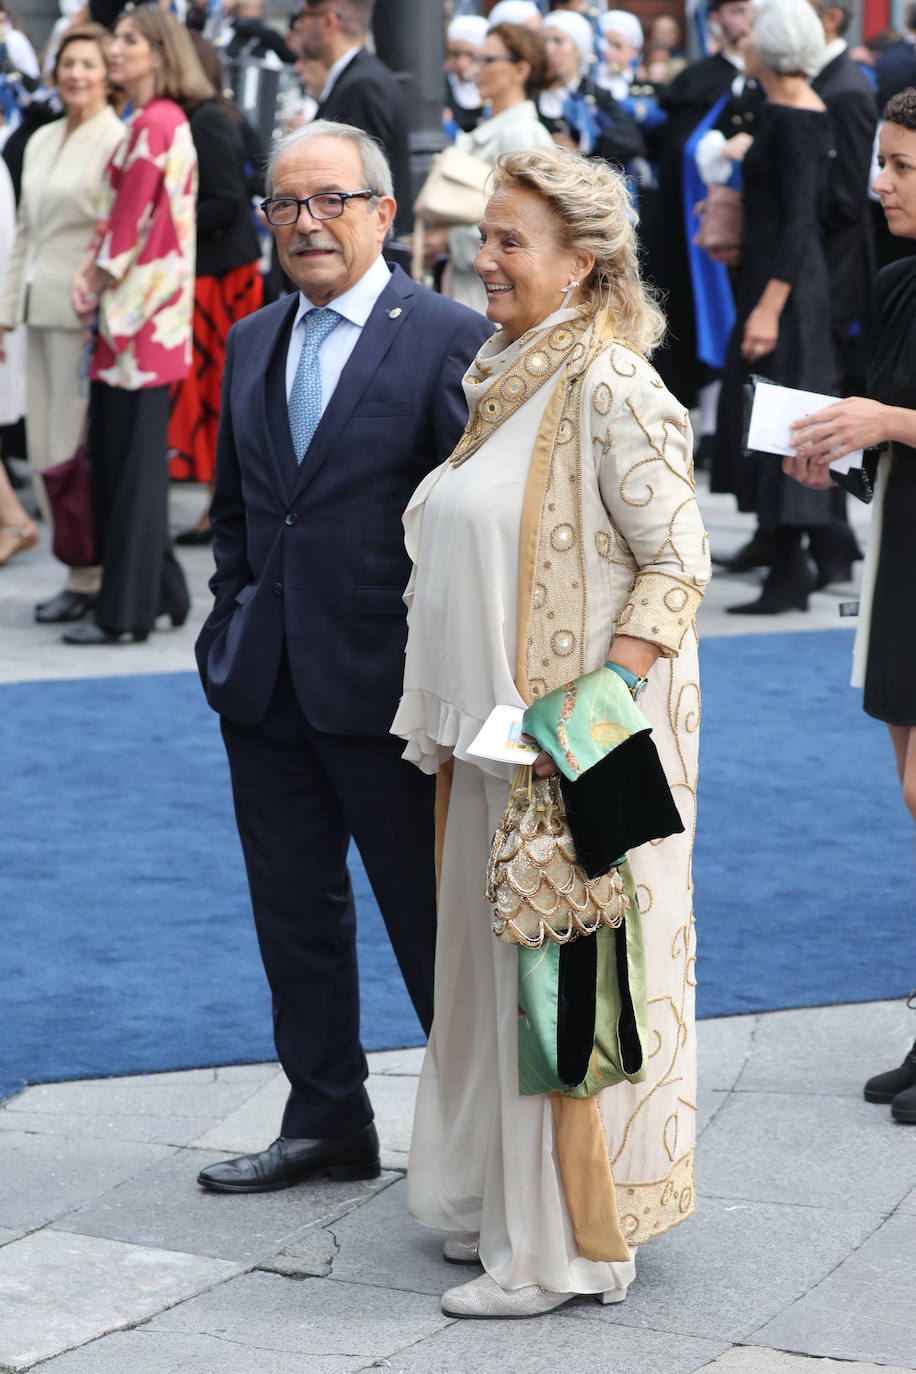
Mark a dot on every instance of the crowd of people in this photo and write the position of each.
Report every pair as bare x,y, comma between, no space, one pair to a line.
434,498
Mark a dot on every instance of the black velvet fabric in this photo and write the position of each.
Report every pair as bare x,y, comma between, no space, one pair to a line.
619,803
577,981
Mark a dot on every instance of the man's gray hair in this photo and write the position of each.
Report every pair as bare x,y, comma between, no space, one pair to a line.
788,36
847,9
376,172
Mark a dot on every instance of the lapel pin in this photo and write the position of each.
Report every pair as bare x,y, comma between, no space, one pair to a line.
393,314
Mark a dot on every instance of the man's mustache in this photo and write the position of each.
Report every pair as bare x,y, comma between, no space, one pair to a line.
303,241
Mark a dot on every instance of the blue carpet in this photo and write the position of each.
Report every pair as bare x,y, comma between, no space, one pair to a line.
128,942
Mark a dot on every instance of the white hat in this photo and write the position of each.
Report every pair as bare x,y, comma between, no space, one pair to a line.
513,12
468,28
576,27
624,23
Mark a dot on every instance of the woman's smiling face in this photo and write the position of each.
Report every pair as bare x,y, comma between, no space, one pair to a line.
522,261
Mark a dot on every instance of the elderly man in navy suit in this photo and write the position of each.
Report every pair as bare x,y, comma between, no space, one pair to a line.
336,402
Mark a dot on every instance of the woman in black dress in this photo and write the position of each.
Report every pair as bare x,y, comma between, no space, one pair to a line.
887,627
782,330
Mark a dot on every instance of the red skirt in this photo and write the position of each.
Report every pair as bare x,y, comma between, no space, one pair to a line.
218,303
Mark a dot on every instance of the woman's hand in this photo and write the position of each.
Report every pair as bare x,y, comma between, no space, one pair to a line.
85,301
736,147
833,432
760,334
544,766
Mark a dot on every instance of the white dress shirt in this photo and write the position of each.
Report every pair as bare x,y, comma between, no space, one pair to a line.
334,72
355,306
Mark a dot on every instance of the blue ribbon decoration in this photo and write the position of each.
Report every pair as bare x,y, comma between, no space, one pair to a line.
714,304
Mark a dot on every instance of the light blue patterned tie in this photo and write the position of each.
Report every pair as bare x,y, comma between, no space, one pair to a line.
305,397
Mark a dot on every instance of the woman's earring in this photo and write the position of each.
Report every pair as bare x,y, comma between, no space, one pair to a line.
570,288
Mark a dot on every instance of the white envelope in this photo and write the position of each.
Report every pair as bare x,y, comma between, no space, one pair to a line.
500,737
775,408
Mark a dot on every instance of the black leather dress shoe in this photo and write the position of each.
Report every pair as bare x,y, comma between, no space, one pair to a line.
194,537
64,607
286,1162
90,633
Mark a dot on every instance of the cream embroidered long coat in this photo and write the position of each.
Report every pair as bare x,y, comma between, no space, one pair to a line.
609,537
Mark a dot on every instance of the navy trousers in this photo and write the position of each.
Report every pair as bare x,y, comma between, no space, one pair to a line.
299,797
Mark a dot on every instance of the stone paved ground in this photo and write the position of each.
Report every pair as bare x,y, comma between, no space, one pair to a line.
801,1259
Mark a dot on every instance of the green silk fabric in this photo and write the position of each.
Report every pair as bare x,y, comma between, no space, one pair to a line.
580,723
620,1009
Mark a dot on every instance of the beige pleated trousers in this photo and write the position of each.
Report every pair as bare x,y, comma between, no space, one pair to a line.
482,1158
55,411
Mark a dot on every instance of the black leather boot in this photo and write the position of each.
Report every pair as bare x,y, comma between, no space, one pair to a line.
789,582
884,1087
903,1107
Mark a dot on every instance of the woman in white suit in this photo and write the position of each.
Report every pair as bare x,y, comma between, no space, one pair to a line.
62,171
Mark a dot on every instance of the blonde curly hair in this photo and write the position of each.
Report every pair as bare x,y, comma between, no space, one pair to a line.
594,213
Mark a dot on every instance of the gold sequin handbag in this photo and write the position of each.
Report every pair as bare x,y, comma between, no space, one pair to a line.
534,884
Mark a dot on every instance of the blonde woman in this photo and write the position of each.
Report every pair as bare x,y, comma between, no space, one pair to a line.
562,535
63,166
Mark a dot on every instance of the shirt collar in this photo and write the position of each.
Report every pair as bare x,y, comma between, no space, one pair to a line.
334,72
356,304
832,50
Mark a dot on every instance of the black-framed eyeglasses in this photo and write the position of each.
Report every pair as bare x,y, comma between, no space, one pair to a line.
324,205
484,59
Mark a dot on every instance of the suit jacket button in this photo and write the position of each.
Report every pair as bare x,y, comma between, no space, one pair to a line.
291,518
278,589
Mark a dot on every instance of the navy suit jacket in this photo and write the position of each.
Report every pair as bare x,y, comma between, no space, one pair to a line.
313,555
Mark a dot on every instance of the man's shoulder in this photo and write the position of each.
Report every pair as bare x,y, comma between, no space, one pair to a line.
844,77
365,66
263,322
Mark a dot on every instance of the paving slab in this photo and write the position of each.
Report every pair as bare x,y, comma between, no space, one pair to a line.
827,1050
166,1207
47,1176
552,1343
752,1360
401,1062
160,1352
58,1290
311,1318
709,1104
733,1266
723,1045
864,1310
169,1109
254,1124
909,1203
815,1151
377,1244
392,1090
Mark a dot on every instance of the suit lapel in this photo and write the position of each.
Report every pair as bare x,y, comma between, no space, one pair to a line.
376,337
272,415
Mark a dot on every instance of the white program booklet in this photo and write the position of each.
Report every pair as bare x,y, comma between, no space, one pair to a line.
775,408
500,737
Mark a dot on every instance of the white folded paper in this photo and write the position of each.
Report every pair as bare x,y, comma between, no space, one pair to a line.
774,410
500,737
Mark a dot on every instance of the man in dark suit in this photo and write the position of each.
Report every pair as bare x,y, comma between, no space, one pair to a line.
895,65
336,402
849,248
359,89
848,240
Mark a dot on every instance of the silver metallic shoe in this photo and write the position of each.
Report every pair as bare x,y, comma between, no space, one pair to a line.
463,1248
483,1297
